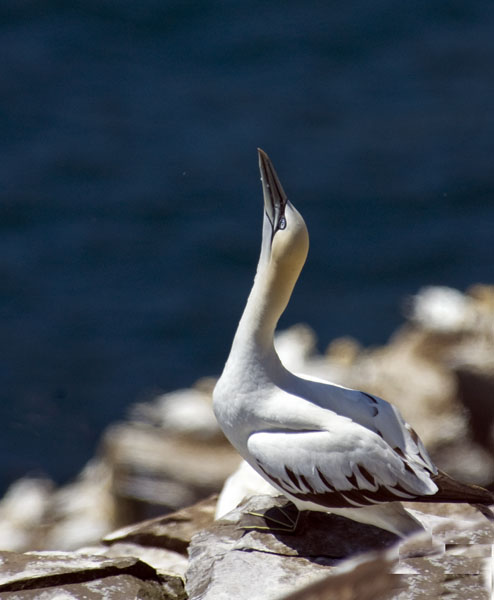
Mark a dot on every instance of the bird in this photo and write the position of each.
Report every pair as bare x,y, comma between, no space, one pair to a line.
323,446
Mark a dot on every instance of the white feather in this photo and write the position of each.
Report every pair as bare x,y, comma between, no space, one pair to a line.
307,437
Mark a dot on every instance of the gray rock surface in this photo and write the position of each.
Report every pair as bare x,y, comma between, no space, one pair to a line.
332,557
368,577
326,557
173,531
155,471
146,560
229,560
66,575
169,564
460,568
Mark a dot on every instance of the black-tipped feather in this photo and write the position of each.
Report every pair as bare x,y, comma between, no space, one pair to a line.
451,490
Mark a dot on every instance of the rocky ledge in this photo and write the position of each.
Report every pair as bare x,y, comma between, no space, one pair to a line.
438,369
189,555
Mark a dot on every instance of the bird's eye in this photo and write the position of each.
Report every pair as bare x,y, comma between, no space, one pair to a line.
282,223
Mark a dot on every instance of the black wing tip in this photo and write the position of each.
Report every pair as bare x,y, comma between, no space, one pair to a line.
451,490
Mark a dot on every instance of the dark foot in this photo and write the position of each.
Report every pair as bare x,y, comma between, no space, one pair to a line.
276,518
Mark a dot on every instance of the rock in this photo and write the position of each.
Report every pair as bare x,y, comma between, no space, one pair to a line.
462,570
22,511
83,511
172,532
187,412
367,577
332,557
160,542
143,469
227,561
473,367
170,455
36,516
295,346
467,461
68,575
442,309
343,351
466,353
237,557
169,565
155,472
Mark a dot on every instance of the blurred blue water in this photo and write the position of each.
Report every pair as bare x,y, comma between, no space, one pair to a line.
130,203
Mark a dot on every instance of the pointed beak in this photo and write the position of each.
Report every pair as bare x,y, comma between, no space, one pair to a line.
274,196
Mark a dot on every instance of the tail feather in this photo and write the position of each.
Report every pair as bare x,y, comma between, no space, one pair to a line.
451,490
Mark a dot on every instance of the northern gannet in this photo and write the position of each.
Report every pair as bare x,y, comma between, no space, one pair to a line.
325,447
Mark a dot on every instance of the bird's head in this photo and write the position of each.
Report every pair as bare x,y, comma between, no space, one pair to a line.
285,240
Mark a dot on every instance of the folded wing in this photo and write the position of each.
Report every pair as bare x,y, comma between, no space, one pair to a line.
348,467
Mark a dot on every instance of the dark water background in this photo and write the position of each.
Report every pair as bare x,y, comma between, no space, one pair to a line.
130,203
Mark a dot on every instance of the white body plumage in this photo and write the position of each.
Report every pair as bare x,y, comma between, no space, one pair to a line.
325,447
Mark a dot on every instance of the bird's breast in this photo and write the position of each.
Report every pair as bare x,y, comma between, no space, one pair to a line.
236,404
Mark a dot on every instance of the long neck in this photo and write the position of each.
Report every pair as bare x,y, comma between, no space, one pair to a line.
270,294
282,258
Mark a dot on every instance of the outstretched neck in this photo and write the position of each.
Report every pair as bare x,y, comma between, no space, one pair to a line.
277,274
266,303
